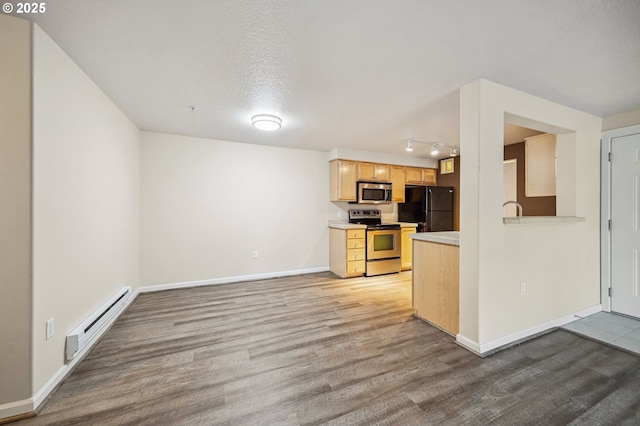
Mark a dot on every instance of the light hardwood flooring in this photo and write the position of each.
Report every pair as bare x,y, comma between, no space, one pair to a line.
314,349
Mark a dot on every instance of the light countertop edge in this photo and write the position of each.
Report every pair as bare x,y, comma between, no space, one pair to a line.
451,238
523,220
341,224
406,224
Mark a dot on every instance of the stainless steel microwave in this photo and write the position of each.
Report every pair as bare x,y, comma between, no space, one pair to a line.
374,193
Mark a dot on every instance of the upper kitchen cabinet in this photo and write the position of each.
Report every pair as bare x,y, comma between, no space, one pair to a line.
418,176
413,175
374,172
342,175
540,165
397,184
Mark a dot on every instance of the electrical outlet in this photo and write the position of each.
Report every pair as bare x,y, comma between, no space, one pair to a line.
339,215
523,289
254,255
50,328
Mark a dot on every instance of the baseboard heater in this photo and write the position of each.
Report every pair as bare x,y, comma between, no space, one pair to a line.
84,333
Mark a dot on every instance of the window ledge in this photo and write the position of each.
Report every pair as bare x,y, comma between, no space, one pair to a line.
523,220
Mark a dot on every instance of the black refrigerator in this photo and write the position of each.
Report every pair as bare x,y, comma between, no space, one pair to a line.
431,207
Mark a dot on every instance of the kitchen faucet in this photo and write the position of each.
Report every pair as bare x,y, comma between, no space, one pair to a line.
517,204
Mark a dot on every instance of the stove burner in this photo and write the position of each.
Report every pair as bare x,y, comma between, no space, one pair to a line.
371,218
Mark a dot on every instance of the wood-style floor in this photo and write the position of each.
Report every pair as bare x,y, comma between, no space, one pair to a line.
315,349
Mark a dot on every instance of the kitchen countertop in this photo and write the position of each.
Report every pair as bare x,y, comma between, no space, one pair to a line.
522,220
451,238
407,224
343,224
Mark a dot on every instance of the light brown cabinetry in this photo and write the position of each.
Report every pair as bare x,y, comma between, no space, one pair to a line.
540,165
342,180
374,172
406,248
418,176
397,184
436,284
347,256
344,175
414,175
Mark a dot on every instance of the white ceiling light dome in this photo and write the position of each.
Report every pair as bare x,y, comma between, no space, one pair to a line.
266,122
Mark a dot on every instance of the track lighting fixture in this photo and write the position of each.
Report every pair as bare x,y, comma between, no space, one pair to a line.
454,150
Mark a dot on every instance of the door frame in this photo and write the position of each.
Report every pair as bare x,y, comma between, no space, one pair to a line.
605,210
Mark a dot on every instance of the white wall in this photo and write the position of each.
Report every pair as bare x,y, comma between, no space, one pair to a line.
15,215
559,262
385,158
208,204
86,201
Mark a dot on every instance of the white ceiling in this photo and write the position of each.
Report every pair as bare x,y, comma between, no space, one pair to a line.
356,74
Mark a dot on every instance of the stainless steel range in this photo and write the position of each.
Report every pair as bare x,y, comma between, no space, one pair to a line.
383,242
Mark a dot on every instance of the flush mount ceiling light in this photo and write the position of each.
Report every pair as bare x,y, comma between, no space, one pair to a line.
409,145
266,122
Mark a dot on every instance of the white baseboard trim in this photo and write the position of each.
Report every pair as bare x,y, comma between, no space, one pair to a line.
41,395
485,349
16,408
228,280
468,344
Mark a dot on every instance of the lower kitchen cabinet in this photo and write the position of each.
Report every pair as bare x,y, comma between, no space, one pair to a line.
406,247
347,252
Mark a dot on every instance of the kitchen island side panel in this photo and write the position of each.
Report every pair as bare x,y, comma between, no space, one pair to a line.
436,284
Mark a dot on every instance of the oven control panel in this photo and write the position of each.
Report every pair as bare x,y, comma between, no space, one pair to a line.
365,214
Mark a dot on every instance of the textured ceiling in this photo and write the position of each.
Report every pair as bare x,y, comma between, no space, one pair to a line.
357,74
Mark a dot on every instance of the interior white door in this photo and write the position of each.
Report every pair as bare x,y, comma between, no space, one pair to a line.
510,182
625,225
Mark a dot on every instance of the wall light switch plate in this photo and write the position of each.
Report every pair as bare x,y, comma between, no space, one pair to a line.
50,328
